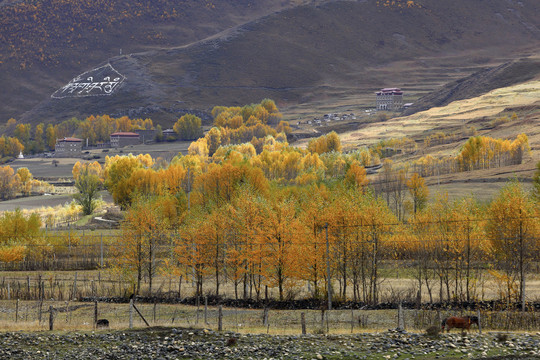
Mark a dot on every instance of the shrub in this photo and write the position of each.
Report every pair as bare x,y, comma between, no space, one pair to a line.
433,331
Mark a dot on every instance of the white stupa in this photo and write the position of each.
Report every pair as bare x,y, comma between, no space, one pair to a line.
20,156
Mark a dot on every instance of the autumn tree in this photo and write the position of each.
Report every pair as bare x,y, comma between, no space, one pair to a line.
39,140
213,139
20,236
283,127
418,190
93,168
220,184
325,143
245,255
189,252
188,127
117,172
50,134
22,132
145,228
513,227
88,184
9,183
359,226
314,202
536,183
356,175
10,146
10,124
468,232
25,178
281,236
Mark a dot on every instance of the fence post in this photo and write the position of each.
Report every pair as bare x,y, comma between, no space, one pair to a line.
39,310
206,310
303,322
17,311
8,292
74,295
236,317
265,317
352,320
401,321
101,251
154,311
131,313
328,322
198,304
220,318
479,322
95,314
51,318
180,287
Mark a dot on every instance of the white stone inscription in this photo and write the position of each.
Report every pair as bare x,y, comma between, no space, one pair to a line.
102,81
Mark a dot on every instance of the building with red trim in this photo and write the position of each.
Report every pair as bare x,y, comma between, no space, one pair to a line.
389,99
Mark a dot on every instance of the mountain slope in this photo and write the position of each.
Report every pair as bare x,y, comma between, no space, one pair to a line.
44,43
479,83
302,54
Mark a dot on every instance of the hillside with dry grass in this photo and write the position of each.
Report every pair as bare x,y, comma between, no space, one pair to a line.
502,113
306,55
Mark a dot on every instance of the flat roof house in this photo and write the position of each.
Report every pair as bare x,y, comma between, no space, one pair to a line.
68,147
121,139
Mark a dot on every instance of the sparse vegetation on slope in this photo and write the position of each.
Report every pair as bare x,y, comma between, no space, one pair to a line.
297,55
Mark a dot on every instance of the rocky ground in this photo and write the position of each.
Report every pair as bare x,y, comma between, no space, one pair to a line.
167,343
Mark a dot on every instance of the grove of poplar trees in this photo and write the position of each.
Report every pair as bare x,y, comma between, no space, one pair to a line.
245,209
254,215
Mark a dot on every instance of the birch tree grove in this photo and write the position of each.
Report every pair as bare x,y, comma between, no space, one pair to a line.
255,216
244,230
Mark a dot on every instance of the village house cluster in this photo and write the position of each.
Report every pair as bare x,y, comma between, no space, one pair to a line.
387,99
330,117
73,147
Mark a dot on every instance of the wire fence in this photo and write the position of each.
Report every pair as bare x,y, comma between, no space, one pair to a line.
86,257
66,315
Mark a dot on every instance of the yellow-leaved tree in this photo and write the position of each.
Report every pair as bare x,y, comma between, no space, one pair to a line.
513,227
418,190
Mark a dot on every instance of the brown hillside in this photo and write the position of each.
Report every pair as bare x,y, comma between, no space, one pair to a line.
306,54
44,43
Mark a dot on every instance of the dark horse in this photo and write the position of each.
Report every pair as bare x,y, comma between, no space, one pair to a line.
463,323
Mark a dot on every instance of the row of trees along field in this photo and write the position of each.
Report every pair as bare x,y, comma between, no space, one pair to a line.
256,214
95,129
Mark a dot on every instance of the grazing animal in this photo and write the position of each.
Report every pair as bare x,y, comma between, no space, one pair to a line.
463,323
102,324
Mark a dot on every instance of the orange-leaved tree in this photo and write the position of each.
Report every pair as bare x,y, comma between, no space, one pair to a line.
145,229
281,237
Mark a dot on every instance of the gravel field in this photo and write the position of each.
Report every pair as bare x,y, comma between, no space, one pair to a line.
176,343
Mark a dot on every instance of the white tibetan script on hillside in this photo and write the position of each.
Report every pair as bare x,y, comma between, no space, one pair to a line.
102,81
